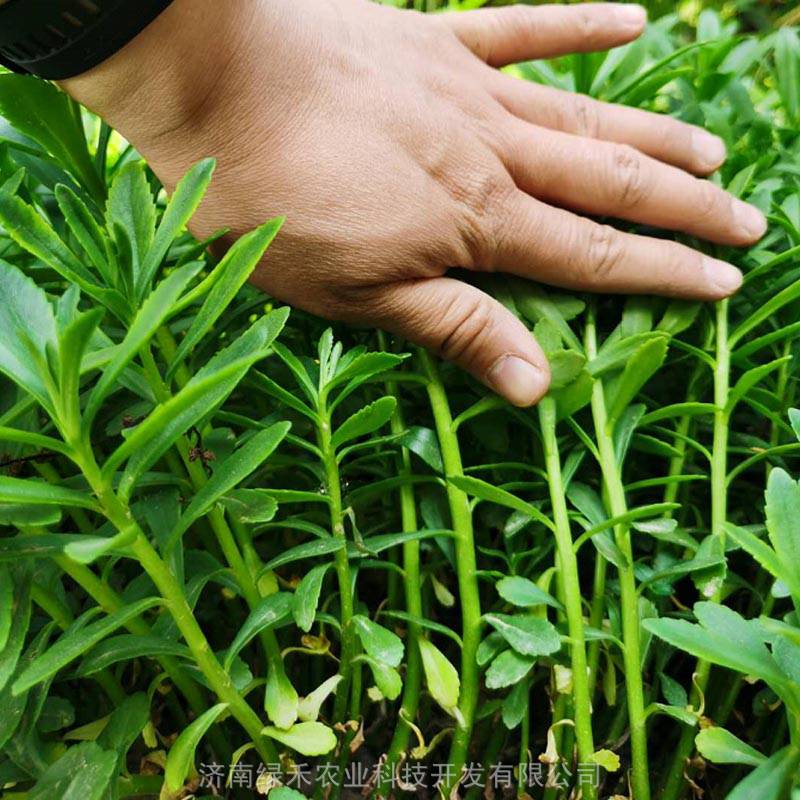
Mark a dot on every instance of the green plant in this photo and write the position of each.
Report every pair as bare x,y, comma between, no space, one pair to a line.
229,533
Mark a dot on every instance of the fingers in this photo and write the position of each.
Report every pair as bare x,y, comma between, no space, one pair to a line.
563,249
662,137
465,325
616,180
501,36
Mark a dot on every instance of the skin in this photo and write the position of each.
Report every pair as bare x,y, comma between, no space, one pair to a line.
397,151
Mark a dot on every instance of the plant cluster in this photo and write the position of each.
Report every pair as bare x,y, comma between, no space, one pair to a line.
231,537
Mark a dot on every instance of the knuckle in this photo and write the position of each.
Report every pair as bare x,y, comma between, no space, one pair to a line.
629,179
588,23
712,203
481,199
604,251
585,117
464,323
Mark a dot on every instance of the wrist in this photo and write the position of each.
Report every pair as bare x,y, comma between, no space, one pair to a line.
165,82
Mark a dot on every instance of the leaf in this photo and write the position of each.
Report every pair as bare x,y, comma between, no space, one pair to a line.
15,635
306,597
493,494
75,643
250,505
508,669
770,780
285,793
85,228
30,491
231,274
639,368
524,593
280,698
616,354
320,547
270,611
124,725
180,759
6,605
151,438
721,747
152,314
387,678
84,772
127,647
516,703
44,113
24,307
424,443
529,636
441,677
230,473
182,205
306,738
309,707
607,759
380,643
366,420
724,638
761,552
565,366
87,550
783,525
130,207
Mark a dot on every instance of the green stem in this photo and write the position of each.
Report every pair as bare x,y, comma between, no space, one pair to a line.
719,509
581,694
461,517
171,590
629,600
333,488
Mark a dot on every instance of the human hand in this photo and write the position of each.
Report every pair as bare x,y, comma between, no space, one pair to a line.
397,151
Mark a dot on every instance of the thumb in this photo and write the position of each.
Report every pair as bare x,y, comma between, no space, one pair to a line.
467,326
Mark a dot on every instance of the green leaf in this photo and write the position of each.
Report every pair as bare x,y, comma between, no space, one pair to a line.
516,704
180,759
126,647
424,443
84,772
616,354
125,724
89,549
441,677
309,707
639,368
770,780
286,793
508,669
270,611
230,275
367,420
130,207
280,698
230,473
721,747
182,205
529,636
761,552
155,310
306,738
75,643
565,366
524,593
319,547
387,678
724,638
29,491
47,115
6,605
493,494
250,505
783,525
306,597
24,308
750,379
15,635
380,643
86,230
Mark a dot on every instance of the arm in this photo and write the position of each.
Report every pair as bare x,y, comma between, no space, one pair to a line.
397,151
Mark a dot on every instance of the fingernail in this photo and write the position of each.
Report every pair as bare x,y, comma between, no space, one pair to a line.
631,16
519,381
724,277
749,219
708,149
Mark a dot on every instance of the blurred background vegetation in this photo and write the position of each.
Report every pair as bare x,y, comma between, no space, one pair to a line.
750,15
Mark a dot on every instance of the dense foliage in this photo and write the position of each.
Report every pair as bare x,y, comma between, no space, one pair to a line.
236,547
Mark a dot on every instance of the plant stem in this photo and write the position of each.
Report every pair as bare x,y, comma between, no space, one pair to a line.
469,592
719,511
170,589
629,599
333,488
413,593
582,699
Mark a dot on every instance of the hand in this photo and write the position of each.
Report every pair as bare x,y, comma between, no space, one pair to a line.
396,150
